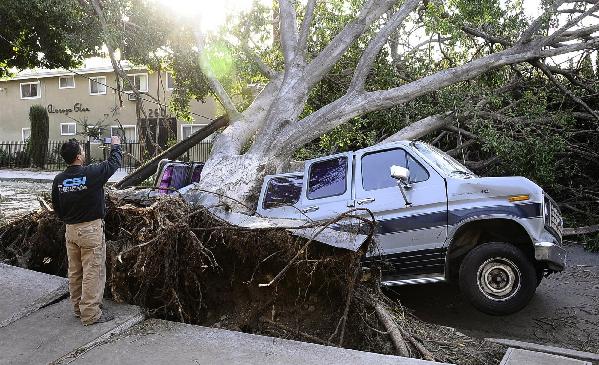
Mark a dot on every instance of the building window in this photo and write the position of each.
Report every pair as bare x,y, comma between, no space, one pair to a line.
170,81
140,81
30,90
66,82
97,85
68,129
189,129
128,133
25,134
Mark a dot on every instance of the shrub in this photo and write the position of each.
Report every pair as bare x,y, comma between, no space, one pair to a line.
40,130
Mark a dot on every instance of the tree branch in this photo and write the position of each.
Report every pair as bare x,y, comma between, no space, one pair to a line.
215,85
264,69
382,99
289,36
538,22
354,103
555,35
581,230
321,64
421,128
563,89
376,43
305,29
489,38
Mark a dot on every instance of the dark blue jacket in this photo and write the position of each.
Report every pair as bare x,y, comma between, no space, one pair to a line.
78,191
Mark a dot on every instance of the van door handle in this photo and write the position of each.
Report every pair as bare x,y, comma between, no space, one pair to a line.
310,209
365,201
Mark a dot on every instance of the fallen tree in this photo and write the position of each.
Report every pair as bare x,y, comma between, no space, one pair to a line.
266,130
182,263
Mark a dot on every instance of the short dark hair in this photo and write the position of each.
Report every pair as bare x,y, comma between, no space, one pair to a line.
69,150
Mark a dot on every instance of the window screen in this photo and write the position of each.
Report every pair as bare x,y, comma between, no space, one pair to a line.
68,129
170,81
30,90
97,85
140,81
327,178
284,190
66,82
376,169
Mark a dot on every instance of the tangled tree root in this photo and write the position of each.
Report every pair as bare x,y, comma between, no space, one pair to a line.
184,264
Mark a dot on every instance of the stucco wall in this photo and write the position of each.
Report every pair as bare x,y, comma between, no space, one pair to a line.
14,110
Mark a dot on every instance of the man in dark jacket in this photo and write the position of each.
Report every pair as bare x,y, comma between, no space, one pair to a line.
78,199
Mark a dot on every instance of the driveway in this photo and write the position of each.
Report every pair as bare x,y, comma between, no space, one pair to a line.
564,312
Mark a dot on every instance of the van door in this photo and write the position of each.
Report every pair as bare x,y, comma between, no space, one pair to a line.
327,186
401,228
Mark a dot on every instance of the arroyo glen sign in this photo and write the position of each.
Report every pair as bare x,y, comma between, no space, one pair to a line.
77,108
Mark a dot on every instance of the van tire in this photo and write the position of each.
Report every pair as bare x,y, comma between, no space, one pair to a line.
498,278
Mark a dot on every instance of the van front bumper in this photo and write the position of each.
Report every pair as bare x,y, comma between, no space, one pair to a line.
551,254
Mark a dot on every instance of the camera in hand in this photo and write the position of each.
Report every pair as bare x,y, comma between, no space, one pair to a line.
107,140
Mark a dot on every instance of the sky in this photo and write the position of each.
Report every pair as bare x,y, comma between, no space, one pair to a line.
210,13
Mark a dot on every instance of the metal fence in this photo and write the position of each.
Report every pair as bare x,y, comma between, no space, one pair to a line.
18,154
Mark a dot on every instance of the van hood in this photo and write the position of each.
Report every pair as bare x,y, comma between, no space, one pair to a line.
492,187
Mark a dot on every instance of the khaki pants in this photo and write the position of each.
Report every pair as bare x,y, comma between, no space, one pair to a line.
86,250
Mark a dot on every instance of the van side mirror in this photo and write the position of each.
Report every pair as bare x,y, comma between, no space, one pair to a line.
402,175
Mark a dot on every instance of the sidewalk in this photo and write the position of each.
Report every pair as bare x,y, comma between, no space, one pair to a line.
34,175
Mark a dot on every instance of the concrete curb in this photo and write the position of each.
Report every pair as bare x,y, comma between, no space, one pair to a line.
525,357
73,355
581,355
48,299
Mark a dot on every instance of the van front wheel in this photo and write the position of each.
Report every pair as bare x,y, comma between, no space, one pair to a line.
498,278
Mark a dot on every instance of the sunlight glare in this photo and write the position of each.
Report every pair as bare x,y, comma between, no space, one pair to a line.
210,13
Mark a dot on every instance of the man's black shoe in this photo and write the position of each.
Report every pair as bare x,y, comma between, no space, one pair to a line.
105,317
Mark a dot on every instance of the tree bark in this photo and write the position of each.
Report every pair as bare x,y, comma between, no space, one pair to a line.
421,128
581,230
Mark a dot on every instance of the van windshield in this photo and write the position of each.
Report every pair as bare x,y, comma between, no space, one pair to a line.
443,161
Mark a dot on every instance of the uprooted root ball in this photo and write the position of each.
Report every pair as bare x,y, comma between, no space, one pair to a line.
184,264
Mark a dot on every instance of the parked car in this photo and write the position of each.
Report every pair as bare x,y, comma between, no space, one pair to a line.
436,220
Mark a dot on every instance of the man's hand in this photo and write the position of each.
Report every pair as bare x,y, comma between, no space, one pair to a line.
115,140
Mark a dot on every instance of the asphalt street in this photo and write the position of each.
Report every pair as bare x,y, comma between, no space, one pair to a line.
564,311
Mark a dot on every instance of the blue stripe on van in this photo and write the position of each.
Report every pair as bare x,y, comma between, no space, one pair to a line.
439,219
402,224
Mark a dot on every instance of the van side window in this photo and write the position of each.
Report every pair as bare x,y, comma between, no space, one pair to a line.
417,172
327,178
282,190
376,168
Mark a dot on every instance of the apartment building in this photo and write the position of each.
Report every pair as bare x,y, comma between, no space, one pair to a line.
88,96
